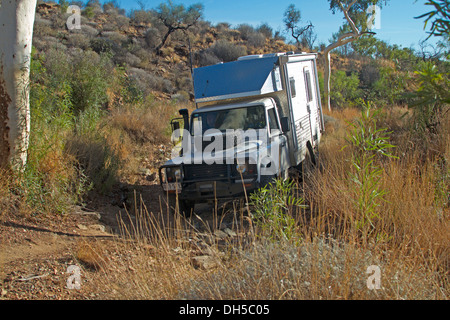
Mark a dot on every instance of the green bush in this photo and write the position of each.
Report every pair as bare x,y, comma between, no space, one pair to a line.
345,89
274,209
50,182
69,154
369,144
91,76
432,99
256,40
389,89
266,30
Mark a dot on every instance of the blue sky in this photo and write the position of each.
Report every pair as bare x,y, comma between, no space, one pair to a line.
398,25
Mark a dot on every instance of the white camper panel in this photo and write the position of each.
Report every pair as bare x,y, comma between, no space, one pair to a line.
290,79
304,101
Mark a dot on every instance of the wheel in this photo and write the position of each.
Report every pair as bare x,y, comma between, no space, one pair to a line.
312,154
265,180
284,175
309,163
184,207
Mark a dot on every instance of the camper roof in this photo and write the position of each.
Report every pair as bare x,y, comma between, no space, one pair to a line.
251,76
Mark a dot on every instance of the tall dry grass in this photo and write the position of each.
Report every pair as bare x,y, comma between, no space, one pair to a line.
329,256
411,233
138,132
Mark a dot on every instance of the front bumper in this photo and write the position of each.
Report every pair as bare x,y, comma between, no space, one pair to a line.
210,190
208,183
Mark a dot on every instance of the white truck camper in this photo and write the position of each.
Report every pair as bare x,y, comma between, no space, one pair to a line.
256,118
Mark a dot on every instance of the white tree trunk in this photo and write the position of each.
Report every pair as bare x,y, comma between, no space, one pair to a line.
342,40
327,78
16,32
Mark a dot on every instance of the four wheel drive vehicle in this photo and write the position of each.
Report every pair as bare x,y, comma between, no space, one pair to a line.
256,118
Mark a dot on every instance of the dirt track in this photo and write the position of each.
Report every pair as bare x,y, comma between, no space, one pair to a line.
35,252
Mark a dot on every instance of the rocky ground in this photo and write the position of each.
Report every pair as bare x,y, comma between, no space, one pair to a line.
37,254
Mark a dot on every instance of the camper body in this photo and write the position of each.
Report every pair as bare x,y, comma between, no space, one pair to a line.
256,118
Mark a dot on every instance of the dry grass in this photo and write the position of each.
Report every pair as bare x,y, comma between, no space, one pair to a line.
6,197
91,254
153,257
144,124
412,230
138,133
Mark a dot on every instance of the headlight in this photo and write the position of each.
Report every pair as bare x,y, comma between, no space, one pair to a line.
173,174
246,168
242,168
177,174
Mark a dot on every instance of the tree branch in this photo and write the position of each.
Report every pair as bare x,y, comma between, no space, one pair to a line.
347,16
297,33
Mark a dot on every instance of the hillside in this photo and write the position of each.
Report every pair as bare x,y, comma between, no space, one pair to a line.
101,100
131,43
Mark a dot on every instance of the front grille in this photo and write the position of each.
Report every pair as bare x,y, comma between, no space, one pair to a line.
205,171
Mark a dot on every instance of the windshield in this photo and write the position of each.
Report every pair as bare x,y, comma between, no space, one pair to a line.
239,118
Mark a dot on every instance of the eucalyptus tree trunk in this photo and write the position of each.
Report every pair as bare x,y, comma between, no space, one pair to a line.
16,32
346,38
354,35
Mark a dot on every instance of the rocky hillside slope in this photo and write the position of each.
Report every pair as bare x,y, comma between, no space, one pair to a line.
131,41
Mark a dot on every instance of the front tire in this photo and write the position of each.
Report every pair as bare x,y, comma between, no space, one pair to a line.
309,163
184,207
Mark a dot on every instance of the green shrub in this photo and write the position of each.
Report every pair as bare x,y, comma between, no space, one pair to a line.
91,76
266,30
88,12
256,40
369,144
102,45
345,89
69,154
274,209
50,182
432,98
141,16
205,58
389,89
152,38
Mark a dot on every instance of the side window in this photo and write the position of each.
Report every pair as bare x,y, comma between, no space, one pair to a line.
309,96
292,85
273,123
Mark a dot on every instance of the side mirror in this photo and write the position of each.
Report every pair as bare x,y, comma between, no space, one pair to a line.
285,124
185,114
175,126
